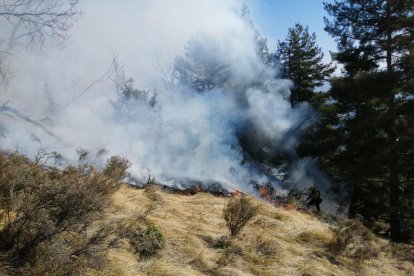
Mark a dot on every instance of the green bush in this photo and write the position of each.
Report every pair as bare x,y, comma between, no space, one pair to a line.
147,240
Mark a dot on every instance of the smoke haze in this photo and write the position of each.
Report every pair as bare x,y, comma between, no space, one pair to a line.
67,89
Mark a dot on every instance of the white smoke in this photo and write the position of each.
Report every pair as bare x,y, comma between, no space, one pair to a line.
186,134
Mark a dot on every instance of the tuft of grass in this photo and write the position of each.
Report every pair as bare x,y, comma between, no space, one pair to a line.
230,254
266,247
316,237
218,243
199,263
152,191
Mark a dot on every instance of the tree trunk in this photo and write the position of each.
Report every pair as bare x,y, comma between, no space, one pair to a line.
395,216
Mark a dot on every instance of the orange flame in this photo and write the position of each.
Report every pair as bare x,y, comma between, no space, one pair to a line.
264,192
235,193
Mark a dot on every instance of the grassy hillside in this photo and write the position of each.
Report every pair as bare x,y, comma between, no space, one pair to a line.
276,242
82,221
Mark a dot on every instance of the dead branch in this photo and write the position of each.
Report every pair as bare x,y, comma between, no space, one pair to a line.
7,109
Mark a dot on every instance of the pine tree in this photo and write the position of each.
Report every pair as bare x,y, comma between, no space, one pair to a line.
262,50
202,68
301,62
375,101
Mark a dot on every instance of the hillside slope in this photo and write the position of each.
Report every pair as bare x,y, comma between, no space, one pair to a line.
81,220
276,242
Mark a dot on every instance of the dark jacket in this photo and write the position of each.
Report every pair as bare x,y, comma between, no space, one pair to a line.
314,195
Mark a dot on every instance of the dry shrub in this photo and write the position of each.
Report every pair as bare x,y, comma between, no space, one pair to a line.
70,254
152,192
116,168
354,240
238,212
50,214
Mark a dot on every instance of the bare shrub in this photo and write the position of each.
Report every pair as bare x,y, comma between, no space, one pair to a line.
42,157
11,166
71,253
116,168
50,214
238,212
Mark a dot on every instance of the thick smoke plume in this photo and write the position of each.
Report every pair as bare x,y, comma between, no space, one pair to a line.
63,97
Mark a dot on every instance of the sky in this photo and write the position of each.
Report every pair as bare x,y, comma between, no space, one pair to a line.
273,18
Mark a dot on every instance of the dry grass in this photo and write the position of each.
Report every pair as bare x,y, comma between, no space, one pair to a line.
153,192
354,240
275,242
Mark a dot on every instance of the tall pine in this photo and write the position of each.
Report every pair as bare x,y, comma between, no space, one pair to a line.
301,62
374,101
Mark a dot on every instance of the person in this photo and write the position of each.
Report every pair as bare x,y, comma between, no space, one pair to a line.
314,197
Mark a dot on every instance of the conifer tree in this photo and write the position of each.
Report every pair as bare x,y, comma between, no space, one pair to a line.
373,102
202,68
301,62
